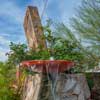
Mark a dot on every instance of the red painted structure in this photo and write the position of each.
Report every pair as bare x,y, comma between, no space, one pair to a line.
49,65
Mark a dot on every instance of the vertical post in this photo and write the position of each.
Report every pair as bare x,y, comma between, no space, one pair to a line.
33,28
34,33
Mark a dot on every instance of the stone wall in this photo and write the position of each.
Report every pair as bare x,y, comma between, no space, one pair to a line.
67,87
31,87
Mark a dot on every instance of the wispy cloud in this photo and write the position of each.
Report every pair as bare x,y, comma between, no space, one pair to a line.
4,41
3,57
11,23
68,11
4,44
11,11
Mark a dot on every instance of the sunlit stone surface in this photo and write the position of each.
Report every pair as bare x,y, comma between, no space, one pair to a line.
67,87
72,87
33,28
32,87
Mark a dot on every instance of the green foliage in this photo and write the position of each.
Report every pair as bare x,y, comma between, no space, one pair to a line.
67,47
17,53
64,45
87,24
89,77
8,72
6,79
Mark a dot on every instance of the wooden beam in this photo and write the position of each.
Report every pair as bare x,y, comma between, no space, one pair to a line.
33,28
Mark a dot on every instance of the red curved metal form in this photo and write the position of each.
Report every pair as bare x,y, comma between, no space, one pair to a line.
49,65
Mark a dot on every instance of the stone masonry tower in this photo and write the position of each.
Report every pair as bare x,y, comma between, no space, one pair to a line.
33,28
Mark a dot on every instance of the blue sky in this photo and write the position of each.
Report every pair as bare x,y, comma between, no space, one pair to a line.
12,14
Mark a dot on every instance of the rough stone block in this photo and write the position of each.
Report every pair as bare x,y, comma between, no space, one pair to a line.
65,87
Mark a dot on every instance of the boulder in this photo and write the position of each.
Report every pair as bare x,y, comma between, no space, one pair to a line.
63,87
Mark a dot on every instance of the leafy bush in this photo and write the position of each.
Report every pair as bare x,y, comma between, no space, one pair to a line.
7,77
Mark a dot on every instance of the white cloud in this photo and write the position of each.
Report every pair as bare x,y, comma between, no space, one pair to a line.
4,41
4,48
68,11
12,11
3,57
13,15
5,35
